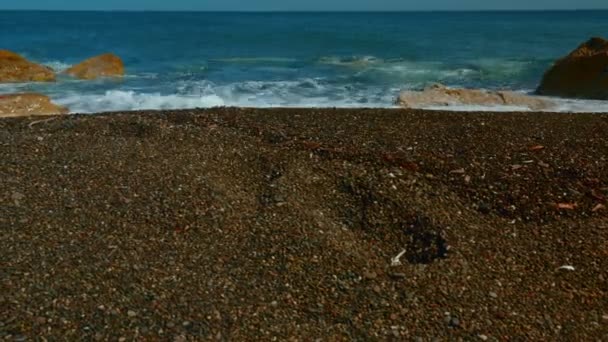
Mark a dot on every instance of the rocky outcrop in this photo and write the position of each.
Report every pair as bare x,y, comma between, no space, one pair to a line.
15,68
107,65
439,95
28,104
581,74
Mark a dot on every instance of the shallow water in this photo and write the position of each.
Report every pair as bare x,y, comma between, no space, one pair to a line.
179,59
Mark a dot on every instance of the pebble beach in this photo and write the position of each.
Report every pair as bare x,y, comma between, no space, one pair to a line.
304,224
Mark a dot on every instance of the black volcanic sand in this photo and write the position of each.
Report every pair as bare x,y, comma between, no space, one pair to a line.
251,224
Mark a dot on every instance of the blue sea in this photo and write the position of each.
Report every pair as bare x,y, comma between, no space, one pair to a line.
205,59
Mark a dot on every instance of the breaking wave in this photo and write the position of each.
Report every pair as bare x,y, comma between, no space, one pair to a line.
254,60
352,61
331,81
57,66
204,94
280,94
118,100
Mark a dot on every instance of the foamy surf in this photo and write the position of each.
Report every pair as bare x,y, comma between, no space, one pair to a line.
351,61
285,60
255,60
117,100
57,66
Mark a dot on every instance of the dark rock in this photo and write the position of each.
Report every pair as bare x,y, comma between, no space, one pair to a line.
581,74
484,208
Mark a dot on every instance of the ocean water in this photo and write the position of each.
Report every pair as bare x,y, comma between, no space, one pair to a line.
204,59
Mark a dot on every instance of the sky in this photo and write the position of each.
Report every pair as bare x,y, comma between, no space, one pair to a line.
299,5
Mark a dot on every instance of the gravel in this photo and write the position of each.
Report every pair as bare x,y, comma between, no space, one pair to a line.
261,224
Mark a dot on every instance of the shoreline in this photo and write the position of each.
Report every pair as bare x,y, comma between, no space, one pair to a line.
397,109
247,223
174,103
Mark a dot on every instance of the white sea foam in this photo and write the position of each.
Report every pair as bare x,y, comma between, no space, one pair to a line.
143,75
57,66
496,67
354,61
255,60
580,106
245,94
417,74
307,92
117,100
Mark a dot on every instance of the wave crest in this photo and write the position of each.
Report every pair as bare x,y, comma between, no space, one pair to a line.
57,66
352,61
118,100
255,60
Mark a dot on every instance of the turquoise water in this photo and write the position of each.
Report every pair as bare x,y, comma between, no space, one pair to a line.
198,59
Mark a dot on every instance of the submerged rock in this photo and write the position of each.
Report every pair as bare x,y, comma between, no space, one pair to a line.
106,65
581,74
28,104
15,68
440,95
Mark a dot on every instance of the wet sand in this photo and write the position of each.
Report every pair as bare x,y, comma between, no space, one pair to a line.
254,224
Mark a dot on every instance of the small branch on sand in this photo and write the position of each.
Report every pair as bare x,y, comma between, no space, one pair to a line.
31,124
396,260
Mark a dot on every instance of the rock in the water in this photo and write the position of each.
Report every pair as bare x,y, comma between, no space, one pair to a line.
15,68
439,95
581,74
106,65
28,104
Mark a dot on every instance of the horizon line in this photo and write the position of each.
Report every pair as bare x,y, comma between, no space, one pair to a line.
307,11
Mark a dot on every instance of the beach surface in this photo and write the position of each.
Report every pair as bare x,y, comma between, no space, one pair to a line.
304,224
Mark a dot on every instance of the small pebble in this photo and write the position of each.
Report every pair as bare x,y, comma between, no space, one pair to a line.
483,337
397,275
131,313
484,208
493,295
452,321
180,338
370,275
17,196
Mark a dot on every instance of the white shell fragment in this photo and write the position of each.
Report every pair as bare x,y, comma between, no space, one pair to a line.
566,268
396,260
